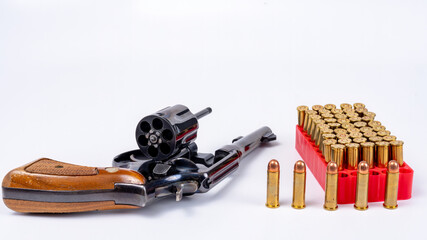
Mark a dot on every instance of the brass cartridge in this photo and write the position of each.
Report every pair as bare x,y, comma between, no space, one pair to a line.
324,137
355,119
344,141
369,134
349,110
327,115
359,124
327,149
383,133
366,129
318,129
340,130
368,153
389,138
330,106
323,111
342,120
298,199
361,111
375,139
273,181
352,155
310,123
392,185
306,118
342,135
361,201
345,105
382,153
338,155
378,128
301,114
347,126
317,108
336,111
352,115
321,132
340,116
331,188
334,125
356,135
367,119
353,129
359,140
330,120
358,105
315,123
370,114
397,151
374,123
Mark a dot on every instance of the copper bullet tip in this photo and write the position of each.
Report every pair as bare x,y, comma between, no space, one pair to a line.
332,168
393,167
299,167
363,167
273,166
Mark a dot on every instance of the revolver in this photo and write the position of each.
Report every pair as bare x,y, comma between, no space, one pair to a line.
167,163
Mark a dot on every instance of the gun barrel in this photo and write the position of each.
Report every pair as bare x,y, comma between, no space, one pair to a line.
247,144
203,112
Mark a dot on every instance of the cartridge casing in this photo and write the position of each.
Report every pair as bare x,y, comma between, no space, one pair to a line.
273,180
301,114
369,134
317,108
338,155
378,128
315,123
397,151
345,105
383,133
327,149
361,201
298,199
343,120
352,155
392,185
310,123
356,135
358,105
306,118
330,106
322,131
368,153
374,123
324,137
359,140
331,188
359,124
366,129
382,153
389,138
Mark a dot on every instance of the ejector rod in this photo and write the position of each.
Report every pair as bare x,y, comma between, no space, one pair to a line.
203,112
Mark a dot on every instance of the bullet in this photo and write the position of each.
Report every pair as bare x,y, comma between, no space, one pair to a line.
342,120
273,178
397,151
352,155
317,107
345,105
361,201
344,141
382,153
330,106
375,139
374,123
327,149
367,119
359,124
334,125
368,153
358,105
336,111
340,130
355,119
338,155
324,137
301,114
348,110
328,117
306,117
369,134
356,135
378,128
389,138
331,188
383,133
392,185
298,199
366,129
361,111
310,124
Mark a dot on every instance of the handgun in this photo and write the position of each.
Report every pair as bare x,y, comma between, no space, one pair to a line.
167,163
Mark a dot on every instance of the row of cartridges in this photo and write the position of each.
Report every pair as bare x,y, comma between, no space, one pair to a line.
350,135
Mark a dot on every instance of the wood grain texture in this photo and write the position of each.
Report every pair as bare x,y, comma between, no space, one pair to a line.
51,207
44,174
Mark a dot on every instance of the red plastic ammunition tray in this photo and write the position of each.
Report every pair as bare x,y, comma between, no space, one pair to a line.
312,156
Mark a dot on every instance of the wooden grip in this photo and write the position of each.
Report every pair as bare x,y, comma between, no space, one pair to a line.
50,175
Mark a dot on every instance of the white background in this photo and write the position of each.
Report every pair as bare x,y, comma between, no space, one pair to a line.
76,77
